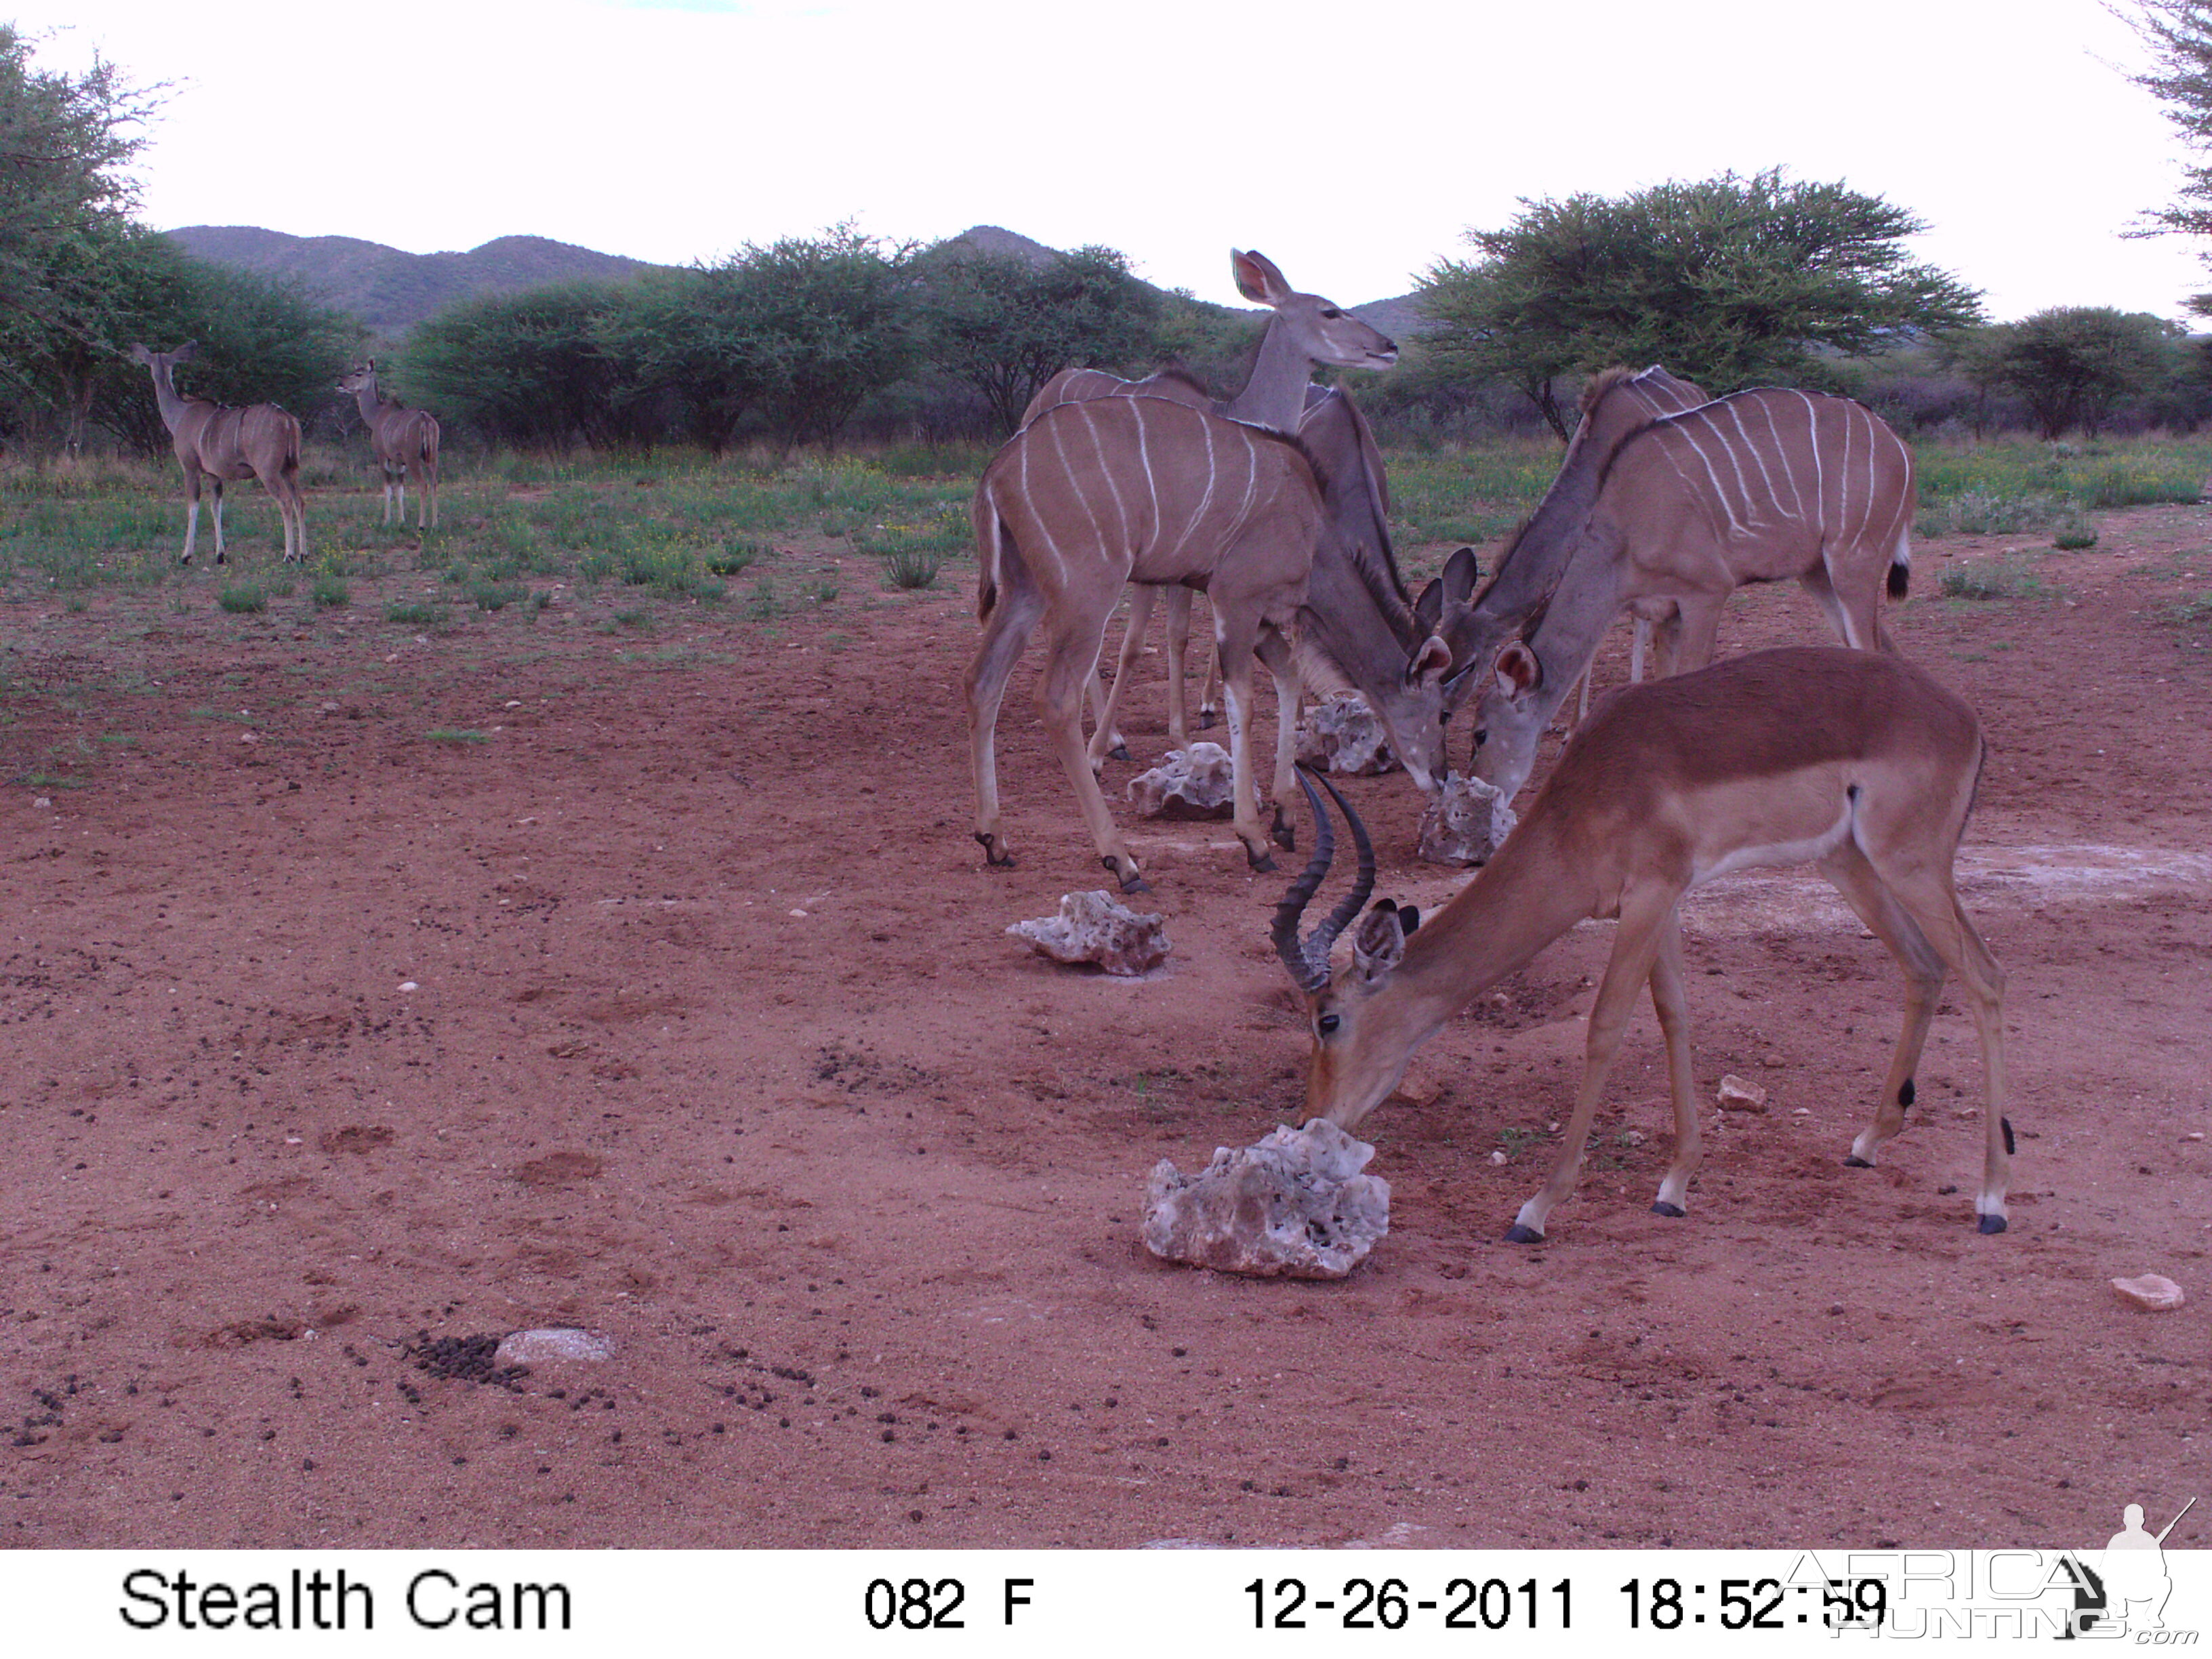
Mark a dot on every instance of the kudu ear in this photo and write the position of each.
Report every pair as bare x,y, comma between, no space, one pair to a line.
1429,609
1380,945
1258,280
141,353
1462,574
1517,670
186,353
1431,663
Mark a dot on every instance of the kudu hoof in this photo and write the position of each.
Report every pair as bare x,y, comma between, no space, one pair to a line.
992,855
1855,1161
1207,719
1674,1210
1517,1234
1120,752
1133,882
1283,832
1262,862
1988,1224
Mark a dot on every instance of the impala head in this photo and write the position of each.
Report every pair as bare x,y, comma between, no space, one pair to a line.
1509,720
1324,331
1361,1038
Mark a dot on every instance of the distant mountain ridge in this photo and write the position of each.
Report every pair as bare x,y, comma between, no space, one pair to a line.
392,290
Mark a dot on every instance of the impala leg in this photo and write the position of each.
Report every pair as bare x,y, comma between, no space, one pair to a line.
1236,644
1875,905
1670,1002
1275,651
1070,659
1636,945
1005,632
1177,606
1106,740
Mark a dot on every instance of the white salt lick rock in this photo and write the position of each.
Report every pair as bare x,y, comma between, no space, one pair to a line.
1466,823
1343,734
1095,926
2153,1291
1295,1206
1738,1096
538,1347
1197,782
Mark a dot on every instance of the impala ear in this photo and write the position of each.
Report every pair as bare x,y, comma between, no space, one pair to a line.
1518,670
1380,943
1408,918
1257,279
1431,663
1462,573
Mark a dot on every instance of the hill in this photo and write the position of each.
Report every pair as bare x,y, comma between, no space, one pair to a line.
392,290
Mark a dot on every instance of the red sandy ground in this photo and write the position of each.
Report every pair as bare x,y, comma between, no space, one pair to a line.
718,1046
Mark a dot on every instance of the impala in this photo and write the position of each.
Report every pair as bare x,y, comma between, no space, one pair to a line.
405,441
1854,761
217,441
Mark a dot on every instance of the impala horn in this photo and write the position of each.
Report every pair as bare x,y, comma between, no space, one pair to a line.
1309,961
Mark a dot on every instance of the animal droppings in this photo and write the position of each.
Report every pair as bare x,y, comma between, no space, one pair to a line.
1467,821
2154,1293
1197,782
1295,1206
1737,1096
1097,928
1342,734
556,1342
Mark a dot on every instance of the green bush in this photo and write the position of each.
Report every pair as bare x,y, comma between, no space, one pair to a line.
2074,535
248,600
913,567
330,591
416,616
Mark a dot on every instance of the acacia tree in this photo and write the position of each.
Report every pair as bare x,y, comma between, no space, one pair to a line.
1005,326
834,317
2072,365
1730,281
2178,33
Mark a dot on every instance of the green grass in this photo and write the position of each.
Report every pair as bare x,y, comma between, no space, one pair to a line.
1991,578
415,615
456,735
330,591
248,600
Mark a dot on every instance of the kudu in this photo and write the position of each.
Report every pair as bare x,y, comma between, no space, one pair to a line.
1855,761
1754,487
405,442
217,441
1096,494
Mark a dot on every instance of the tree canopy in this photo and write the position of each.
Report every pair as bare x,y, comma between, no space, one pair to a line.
2072,364
1731,282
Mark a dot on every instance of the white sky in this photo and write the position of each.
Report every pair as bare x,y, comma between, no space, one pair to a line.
1351,146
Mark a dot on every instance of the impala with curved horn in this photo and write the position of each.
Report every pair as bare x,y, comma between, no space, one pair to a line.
1854,761
215,440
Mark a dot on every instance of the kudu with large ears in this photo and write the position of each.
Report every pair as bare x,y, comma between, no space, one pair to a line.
1854,761
405,441
217,441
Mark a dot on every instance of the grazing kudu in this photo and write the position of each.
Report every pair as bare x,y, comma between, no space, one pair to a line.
1305,331
217,441
1092,495
1615,404
405,441
1855,761
1754,487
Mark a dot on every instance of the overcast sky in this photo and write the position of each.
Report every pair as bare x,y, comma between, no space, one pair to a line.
1354,146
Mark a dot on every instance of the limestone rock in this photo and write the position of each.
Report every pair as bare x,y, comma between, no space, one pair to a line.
1737,1096
556,1342
2153,1291
1344,735
1095,926
1197,782
1295,1206
1466,823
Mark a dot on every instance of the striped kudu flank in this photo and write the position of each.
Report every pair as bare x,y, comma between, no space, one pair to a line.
1857,762
1092,495
1306,329
217,441
1750,488
405,441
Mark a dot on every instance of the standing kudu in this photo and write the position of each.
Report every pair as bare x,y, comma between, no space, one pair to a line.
215,441
1754,486
1854,761
406,445
1306,329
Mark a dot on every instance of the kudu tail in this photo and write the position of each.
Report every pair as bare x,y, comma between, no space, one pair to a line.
994,546
1900,566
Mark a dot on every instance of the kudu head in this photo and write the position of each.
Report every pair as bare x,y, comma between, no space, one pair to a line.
1362,1038
1510,717
1321,329
161,362
355,381
1446,608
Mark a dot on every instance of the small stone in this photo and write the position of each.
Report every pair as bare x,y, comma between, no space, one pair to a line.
1738,1096
2151,1292
556,1342
1197,782
249,737
1776,1061
42,800
1343,734
1094,926
2194,1134
1294,1205
1499,1157
1835,1308
1466,821
1632,1137
406,985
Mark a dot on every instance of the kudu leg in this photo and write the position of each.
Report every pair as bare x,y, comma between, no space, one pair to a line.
1275,651
1005,634
192,515
1106,740
1697,622
1070,659
1235,642
1176,604
220,557
1643,918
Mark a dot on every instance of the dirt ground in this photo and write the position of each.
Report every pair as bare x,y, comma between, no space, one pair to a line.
680,1007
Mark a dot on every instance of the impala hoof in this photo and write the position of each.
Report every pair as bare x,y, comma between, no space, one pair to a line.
1662,1208
993,854
1120,752
1263,862
1855,1161
1988,1224
1517,1234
